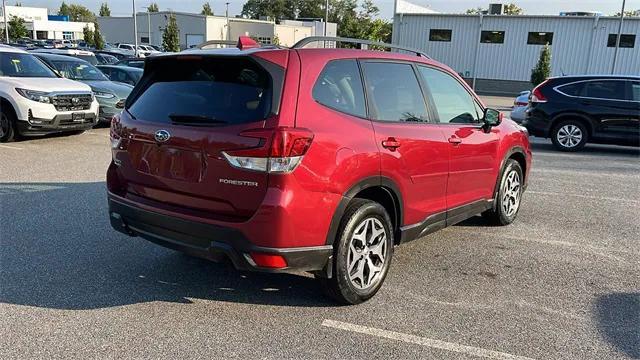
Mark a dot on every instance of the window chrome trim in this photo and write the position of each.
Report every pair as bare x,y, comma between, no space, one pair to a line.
557,89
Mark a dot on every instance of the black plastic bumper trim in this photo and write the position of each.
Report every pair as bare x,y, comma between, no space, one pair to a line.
209,241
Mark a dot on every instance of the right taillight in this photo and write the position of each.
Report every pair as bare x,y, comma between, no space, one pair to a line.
536,94
280,152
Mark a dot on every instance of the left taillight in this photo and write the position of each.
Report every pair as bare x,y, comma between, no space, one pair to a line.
114,132
281,150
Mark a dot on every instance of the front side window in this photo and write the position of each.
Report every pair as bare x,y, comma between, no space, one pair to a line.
394,92
492,37
453,102
440,35
339,87
626,40
23,65
613,90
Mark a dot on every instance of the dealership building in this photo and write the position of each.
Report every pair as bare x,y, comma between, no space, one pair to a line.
195,29
497,52
43,26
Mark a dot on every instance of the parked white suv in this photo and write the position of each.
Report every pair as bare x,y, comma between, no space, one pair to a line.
129,50
34,100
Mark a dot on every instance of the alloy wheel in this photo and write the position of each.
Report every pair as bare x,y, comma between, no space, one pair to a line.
367,254
511,193
569,136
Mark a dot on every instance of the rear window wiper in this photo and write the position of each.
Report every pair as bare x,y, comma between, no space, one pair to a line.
202,120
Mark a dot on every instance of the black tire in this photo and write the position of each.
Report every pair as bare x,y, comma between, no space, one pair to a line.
561,129
8,132
499,215
340,287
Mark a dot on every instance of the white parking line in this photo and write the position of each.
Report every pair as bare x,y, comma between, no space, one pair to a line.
437,344
592,197
11,147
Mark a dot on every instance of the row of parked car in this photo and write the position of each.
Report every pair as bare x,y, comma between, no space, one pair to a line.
50,90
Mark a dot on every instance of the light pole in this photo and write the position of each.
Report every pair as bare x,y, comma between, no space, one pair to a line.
135,30
615,53
6,24
227,16
148,24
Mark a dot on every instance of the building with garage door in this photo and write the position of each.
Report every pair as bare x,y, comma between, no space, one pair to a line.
497,52
196,29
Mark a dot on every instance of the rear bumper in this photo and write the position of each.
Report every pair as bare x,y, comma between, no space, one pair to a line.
213,242
536,123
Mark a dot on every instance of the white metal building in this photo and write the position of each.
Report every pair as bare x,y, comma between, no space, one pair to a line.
38,23
195,29
500,50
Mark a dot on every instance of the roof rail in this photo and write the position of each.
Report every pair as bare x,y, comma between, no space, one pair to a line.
217,42
364,44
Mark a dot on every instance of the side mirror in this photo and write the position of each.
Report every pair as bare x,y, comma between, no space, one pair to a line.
492,117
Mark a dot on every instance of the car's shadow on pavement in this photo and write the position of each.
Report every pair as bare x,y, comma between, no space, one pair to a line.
618,319
590,149
57,250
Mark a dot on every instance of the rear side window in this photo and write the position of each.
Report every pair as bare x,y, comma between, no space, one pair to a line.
394,92
339,87
452,101
576,89
635,91
204,91
613,90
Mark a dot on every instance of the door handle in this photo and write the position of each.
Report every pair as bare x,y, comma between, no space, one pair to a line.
455,140
391,144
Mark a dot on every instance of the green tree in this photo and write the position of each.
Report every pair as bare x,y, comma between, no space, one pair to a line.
274,9
98,41
170,37
509,9
543,68
513,9
104,10
310,9
206,9
77,12
474,11
153,8
630,13
88,35
17,29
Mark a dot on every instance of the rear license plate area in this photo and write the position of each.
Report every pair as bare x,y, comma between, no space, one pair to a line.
171,163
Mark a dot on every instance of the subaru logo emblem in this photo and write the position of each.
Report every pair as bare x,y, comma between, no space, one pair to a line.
75,100
162,136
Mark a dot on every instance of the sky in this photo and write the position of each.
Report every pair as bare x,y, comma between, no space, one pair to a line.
547,7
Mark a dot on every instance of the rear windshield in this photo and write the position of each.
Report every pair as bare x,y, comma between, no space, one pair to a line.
204,91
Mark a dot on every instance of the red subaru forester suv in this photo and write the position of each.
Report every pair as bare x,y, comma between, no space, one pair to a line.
308,159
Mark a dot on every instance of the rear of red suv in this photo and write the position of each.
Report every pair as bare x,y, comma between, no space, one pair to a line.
297,159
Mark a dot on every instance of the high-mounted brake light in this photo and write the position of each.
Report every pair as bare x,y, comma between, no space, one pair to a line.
536,94
245,42
280,151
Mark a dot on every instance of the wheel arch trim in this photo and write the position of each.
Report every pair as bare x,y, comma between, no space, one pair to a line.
382,182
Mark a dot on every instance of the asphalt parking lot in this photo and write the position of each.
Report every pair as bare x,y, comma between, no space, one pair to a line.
562,282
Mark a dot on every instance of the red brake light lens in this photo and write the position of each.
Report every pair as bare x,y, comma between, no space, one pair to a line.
268,260
280,151
536,94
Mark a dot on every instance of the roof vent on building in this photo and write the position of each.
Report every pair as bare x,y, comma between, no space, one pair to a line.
496,9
